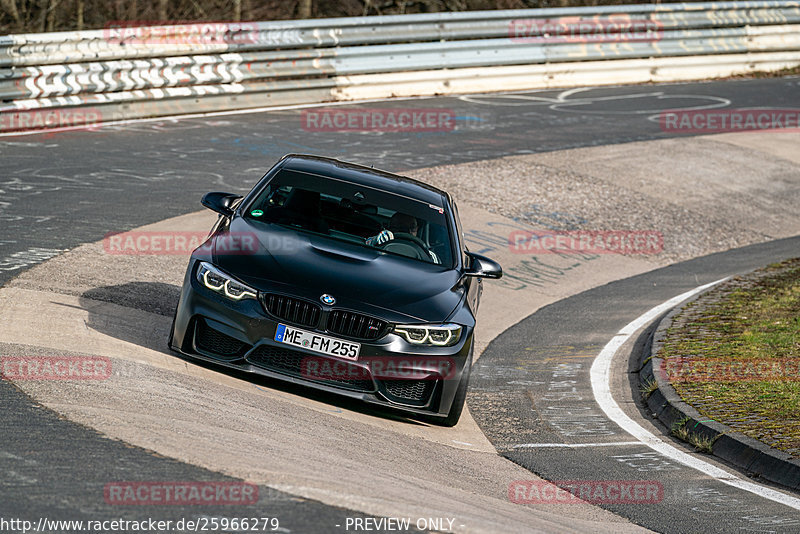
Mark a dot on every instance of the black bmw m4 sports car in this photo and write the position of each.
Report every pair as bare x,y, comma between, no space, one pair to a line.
339,277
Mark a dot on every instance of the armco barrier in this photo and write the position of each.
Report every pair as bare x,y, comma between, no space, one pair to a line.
164,70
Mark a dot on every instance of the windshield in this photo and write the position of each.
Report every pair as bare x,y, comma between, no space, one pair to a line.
350,212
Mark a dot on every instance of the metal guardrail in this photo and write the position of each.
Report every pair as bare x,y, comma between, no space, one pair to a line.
151,71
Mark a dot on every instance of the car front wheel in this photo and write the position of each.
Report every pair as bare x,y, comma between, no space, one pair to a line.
458,401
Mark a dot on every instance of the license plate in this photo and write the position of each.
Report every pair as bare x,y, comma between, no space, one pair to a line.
317,343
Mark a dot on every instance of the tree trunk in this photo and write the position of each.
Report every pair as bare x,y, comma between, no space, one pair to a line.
133,10
11,7
304,9
237,10
79,18
50,15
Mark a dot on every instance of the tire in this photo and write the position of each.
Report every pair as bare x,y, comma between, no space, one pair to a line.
458,401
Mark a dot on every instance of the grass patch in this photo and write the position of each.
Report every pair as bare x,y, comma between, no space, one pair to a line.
788,71
648,388
739,349
681,431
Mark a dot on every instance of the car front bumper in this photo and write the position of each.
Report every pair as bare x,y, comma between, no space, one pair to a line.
389,372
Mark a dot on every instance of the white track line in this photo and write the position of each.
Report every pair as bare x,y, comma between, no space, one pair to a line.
601,375
262,109
574,445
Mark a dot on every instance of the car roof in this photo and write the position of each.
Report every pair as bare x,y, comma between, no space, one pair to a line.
367,176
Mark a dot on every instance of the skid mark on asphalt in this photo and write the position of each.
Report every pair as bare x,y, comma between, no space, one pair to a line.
592,100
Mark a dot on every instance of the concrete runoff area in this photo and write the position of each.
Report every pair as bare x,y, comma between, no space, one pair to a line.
313,445
90,302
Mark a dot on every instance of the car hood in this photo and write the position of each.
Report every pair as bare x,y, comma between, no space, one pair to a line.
283,260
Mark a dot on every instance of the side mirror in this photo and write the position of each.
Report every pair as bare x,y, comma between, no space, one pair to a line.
483,267
221,203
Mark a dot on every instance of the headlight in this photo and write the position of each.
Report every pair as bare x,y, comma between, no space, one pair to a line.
216,280
423,334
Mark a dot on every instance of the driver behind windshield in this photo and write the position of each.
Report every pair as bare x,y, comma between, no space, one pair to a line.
400,223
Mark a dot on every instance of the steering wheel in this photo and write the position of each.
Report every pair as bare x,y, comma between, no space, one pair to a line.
407,245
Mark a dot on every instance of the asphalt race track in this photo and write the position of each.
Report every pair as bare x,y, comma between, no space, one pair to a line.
532,387
63,189
120,177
